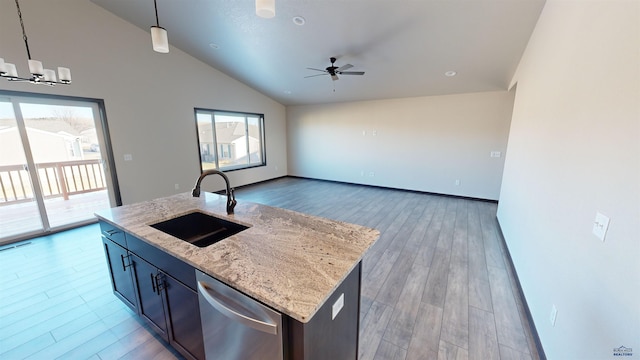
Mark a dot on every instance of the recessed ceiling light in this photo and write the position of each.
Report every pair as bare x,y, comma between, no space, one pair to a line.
214,46
299,20
450,73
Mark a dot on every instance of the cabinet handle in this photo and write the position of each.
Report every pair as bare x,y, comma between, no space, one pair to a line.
124,267
111,232
153,283
159,283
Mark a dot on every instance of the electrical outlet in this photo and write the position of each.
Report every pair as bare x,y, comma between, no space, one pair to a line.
177,186
554,314
600,226
128,157
337,306
457,182
372,174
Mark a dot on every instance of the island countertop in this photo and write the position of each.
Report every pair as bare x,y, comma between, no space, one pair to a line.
285,259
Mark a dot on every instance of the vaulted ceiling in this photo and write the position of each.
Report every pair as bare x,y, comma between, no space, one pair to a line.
405,47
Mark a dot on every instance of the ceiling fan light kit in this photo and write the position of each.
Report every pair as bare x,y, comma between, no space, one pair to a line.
39,75
266,8
159,38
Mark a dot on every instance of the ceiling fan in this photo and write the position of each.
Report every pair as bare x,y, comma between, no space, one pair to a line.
334,71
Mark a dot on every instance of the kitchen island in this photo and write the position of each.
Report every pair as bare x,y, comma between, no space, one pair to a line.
305,267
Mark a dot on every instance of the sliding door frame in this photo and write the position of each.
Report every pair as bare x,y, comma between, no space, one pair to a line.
106,153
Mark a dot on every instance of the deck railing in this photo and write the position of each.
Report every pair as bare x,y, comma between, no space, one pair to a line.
57,179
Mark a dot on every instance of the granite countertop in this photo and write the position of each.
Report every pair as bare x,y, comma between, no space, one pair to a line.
285,259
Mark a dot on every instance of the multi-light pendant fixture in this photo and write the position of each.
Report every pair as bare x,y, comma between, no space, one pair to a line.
39,75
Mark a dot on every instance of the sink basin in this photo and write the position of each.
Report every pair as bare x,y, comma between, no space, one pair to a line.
199,229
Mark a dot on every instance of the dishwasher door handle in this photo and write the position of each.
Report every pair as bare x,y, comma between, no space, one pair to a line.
259,325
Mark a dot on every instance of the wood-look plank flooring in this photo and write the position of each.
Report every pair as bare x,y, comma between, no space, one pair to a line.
436,285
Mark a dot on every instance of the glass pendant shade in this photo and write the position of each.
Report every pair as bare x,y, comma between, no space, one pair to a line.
35,67
11,70
64,74
159,39
266,8
49,75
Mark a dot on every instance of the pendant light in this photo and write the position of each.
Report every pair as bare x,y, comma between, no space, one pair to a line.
266,8
39,75
159,37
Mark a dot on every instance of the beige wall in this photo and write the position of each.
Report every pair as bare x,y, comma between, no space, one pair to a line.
423,143
574,150
149,97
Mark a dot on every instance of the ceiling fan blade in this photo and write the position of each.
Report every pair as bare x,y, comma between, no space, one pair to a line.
344,67
316,69
315,75
334,77
351,72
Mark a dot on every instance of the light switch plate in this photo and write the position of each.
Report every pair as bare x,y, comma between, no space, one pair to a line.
128,157
600,226
337,306
496,154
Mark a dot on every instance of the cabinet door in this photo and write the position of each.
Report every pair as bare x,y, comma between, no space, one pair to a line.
151,304
184,318
120,270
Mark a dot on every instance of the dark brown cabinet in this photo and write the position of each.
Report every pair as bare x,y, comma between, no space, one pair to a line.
170,308
158,287
330,335
120,270
151,307
181,305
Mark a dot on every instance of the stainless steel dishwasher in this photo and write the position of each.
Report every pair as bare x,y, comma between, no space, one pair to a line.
235,326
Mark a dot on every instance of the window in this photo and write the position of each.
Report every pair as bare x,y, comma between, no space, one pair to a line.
230,140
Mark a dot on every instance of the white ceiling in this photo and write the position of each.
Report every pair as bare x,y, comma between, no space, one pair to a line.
404,46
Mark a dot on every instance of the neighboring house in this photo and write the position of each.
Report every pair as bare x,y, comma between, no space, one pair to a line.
89,140
240,149
232,143
46,146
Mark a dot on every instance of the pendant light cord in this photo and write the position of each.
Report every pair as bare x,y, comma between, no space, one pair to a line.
24,34
155,4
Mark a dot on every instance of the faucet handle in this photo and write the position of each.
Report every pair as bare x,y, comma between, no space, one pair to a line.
231,201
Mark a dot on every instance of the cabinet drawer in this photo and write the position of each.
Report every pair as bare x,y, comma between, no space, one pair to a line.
113,233
175,267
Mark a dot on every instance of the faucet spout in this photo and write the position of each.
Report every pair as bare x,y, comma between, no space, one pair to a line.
231,199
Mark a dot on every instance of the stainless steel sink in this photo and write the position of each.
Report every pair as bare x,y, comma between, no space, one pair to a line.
199,229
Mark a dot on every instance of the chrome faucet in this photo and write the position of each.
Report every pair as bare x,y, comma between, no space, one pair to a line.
231,199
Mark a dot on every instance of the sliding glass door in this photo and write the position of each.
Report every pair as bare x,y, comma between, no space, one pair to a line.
18,208
54,170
